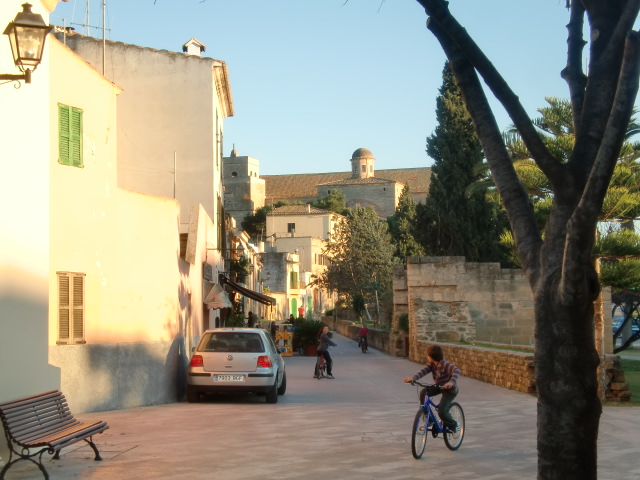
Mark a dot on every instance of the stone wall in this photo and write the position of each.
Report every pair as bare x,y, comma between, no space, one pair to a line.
451,300
514,370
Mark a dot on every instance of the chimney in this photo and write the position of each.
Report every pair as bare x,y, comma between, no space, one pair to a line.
194,47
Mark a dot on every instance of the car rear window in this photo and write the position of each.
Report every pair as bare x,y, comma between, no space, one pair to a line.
231,342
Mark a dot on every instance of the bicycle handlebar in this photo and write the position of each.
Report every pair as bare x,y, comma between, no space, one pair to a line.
415,382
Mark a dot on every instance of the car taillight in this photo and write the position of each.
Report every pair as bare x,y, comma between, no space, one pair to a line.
196,361
264,361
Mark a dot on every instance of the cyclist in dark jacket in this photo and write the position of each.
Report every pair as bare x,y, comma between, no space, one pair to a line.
323,349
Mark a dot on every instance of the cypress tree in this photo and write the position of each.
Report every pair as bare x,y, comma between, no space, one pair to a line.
455,219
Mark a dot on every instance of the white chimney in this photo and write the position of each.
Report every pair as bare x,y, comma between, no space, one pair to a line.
194,47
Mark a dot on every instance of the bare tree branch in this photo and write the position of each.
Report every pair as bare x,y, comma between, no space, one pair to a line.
438,11
573,72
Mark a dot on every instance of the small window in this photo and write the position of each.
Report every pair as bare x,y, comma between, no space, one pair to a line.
70,308
364,169
69,136
291,227
234,174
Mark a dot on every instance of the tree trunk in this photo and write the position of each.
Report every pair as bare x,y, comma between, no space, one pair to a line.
566,377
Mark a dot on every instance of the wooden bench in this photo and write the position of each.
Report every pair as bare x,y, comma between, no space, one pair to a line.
43,423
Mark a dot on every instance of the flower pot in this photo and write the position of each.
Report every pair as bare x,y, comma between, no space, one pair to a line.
311,350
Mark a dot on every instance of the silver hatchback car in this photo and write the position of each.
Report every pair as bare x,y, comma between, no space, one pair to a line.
236,360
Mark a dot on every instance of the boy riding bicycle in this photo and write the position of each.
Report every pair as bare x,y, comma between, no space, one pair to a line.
445,375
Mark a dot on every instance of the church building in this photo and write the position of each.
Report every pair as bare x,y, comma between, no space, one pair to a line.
361,185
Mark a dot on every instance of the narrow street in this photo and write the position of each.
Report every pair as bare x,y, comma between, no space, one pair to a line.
354,427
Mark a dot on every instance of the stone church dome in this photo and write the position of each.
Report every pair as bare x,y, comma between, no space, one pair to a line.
362,153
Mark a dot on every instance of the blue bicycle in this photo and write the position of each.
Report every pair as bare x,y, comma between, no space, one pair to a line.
427,420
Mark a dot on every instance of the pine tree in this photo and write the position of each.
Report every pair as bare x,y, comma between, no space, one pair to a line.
455,220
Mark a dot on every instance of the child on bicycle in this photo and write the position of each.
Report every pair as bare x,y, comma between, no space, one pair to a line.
445,375
323,349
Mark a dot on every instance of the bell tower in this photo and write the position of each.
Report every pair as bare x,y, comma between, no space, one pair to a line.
362,164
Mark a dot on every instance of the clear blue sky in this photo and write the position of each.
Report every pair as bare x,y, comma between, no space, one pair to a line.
313,80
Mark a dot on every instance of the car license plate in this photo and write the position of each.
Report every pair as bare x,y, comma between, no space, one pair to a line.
228,378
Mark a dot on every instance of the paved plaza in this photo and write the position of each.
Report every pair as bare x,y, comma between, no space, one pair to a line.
356,427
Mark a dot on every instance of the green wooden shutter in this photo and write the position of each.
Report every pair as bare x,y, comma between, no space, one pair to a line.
76,137
70,135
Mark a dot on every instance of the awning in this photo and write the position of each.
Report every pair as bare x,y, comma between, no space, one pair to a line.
217,298
257,296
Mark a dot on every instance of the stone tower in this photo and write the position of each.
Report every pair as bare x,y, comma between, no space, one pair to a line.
362,164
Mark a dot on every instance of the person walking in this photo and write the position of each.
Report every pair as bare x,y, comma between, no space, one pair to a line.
323,350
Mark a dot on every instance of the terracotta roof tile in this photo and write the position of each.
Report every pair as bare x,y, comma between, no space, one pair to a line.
299,210
302,186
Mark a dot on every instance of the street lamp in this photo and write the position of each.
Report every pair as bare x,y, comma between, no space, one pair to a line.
27,34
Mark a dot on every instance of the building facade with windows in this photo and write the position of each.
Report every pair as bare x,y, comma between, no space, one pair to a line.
296,235
118,285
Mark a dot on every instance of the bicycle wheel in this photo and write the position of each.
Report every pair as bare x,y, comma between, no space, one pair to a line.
320,367
419,434
453,440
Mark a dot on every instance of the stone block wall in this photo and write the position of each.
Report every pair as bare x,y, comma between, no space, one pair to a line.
514,370
451,300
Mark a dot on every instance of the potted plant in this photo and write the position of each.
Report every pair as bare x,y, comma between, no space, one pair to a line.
305,336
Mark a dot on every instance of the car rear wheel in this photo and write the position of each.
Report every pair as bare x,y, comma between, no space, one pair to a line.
272,393
283,385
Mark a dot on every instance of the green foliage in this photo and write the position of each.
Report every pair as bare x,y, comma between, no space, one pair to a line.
618,243
235,320
403,322
621,203
632,378
256,224
334,202
240,269
402,227
457,220
306,332
359,305
555,124
621,274
361,256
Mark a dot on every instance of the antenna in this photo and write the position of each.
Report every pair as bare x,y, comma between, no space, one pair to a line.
87,23
88,26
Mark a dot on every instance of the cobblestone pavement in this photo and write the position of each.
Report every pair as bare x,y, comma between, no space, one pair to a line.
356,427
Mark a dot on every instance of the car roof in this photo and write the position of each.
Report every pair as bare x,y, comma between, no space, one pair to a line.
235,329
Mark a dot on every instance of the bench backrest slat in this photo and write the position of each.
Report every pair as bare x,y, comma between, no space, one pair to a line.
7,406
44,413
36,417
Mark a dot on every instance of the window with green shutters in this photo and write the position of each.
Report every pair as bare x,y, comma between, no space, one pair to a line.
70,308
70,135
